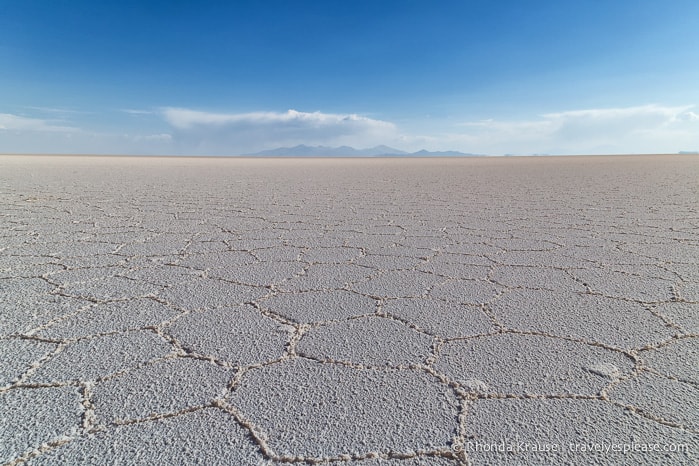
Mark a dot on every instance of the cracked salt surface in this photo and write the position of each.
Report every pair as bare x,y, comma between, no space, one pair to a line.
570,425
33,417
206,436
238,335
532,364
330,410
370,341
440,318
359,312
95,358
160,388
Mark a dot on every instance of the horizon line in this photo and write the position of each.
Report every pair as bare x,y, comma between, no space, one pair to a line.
386,156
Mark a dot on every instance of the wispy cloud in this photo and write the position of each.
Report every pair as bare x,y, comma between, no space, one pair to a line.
654,111
159,137
22,134
171,130
57,110
135,111
10,122
643,129
242,132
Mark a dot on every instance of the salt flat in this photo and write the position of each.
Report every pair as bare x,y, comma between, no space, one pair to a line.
353,311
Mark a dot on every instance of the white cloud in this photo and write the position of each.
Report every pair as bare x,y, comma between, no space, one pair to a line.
56,111
640,129
183,118
21,134
160,137
688,116
655,111
133,111
235,133
10,122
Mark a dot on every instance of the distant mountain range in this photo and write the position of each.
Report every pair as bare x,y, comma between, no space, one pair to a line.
347,151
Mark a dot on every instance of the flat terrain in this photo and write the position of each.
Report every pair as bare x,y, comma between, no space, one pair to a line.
355,311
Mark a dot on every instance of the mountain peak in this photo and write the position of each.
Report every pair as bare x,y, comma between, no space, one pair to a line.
303,150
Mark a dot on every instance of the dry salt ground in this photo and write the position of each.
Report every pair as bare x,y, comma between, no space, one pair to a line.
349,311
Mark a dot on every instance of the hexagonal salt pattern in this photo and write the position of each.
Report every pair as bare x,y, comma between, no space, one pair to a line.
537,278
29,311
440,318
660,398
370,341
207,436
514,364
676,359
622,285
260,274
163,387
239,335
400,460
116,316
350,312
466,291
555,431
399,284
17,356
111,288
326,277
601,319
319,306
209,293
330,410
684,315
33,417
94,358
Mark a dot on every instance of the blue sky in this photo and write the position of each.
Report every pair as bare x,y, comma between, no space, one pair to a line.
233,77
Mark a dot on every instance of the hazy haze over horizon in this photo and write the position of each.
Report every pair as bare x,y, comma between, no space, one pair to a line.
227,78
